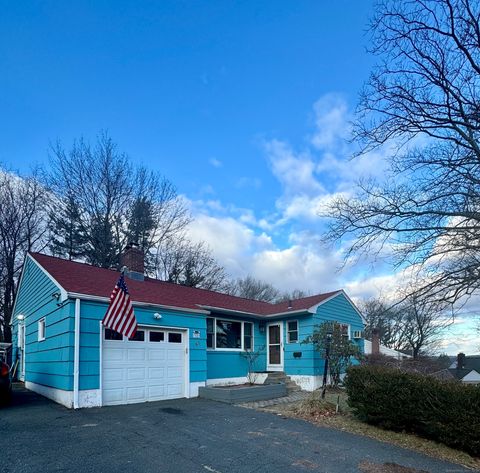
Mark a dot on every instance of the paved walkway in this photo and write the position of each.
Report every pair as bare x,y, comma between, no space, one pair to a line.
292,397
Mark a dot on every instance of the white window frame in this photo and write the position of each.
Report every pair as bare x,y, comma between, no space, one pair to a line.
252,348
242,322
288,332
349,329
41,329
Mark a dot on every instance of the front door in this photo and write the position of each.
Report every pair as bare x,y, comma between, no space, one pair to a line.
275,347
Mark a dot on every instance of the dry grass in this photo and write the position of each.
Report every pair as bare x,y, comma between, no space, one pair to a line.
369,467
323,412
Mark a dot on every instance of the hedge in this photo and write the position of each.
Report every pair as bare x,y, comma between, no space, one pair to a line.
446,411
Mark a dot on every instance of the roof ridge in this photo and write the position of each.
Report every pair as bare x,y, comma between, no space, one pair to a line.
72,261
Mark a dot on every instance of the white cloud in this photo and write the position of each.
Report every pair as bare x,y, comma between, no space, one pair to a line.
216,163
295,171
331,121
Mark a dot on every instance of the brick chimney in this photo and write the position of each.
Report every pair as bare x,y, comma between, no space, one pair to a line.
460,361
134,259
375,341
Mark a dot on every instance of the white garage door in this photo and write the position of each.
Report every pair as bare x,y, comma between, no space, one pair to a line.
149,367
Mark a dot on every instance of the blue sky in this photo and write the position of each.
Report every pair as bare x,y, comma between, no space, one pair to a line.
243,105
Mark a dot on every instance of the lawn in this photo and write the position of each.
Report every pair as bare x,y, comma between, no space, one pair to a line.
324,413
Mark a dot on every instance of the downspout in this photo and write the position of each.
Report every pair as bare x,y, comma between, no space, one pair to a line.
76,355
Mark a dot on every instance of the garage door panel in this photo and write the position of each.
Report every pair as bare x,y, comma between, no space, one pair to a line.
135,354
157,392
156,373
135,373
116,354
174,373
113,396
174,354
142,371
156,354
113,374
135,394
174,389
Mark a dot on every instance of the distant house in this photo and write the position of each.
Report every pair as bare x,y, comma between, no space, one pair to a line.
186,337
383,350
374,347
466,369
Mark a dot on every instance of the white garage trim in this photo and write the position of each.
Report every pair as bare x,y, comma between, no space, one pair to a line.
187,387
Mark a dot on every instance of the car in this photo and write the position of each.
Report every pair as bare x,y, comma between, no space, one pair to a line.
5,383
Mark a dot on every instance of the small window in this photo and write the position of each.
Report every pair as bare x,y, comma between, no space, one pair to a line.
41,330
292,331
175,338
157,336
112,335
247,336
210,332
138,337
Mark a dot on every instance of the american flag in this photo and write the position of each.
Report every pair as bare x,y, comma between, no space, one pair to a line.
120,316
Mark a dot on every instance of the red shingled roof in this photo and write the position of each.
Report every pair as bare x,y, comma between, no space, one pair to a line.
85,279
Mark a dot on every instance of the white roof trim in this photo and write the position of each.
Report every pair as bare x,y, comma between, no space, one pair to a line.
88,297
63,292
253,314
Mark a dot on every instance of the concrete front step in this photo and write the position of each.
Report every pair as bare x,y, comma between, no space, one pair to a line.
280,377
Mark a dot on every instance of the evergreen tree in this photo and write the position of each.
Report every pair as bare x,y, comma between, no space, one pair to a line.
68,238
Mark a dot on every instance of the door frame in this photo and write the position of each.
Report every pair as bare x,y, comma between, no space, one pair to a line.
275,367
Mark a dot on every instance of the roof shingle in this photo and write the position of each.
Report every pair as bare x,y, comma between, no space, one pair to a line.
82,278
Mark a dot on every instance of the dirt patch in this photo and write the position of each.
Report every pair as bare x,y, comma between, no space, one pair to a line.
369,467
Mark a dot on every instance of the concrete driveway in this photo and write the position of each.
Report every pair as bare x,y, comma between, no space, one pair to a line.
182,436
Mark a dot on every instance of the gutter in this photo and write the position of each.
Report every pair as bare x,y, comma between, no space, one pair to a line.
76,355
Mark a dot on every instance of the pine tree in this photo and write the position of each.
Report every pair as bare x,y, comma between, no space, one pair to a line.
68,239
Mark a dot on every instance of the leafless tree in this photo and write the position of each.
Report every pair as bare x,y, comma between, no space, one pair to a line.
116,201
388,319
181,261
23,228
252,288
292,295
423,321
423,100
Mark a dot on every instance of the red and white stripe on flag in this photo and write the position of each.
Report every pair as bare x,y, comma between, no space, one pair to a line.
120,316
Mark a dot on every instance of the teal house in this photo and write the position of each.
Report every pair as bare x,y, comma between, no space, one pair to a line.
186,337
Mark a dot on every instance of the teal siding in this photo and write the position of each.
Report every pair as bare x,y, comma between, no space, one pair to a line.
48,362
91,313
305,364
341,310
231,364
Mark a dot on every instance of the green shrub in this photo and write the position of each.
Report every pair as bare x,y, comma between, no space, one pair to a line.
448,412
